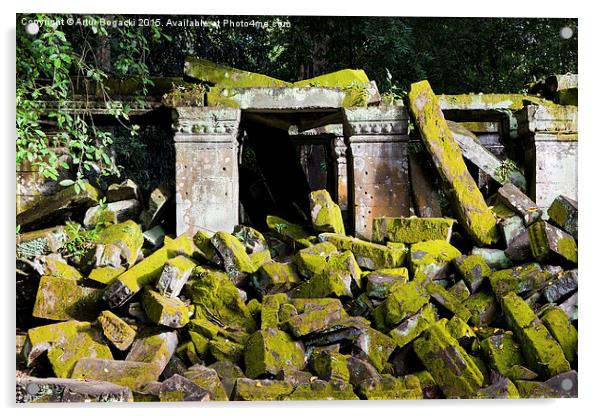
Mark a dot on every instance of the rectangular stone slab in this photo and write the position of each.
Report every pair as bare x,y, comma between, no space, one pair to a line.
62,299
411,230
473,213
52,390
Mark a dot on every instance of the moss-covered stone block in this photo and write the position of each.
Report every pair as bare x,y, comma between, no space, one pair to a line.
236,261
174,275
322,390
132,374
559,325
413,326
379,281
208,379
228,372
410,230
269,351
448,301
391,388
61,299
330,365
564,214
452,368
155,349
261,390
432,258
202,239
274,277
375,347
340,278
502,388
105,275
513,198
519,279
166,311
326,216
116,330
291,233
314,320
552,245
473,269
127,236
224,349
541,351
460,290
180,389
57,267
404,300
483,308
270,310
369,255
312,260
503,354
342,78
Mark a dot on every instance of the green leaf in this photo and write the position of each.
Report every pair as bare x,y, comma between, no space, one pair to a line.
66,182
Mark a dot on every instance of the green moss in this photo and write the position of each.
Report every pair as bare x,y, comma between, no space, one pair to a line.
208,379
286,312
559,325
379,281
116,330
292,233
325,214
322,390
131,374
62,299
202,240
567,248
200,342
369,255
275,277
235,258
340,275
377,346
105,275
312,260
405,299
549,244
411,328
270,310
254,307
518,279
204,70
223,349
472,211
268,351
473,270
411,230
448,301
251,390
432,258
330,365
127,236
502,353
314,320
342,78
58,268
166,311
482,307
391,388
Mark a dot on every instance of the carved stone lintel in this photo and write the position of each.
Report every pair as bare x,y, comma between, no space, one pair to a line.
205,124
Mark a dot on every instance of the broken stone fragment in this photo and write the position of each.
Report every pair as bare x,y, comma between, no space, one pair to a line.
224,349
146,272
330,365
465,335
460,290
360,370
314,320
122,191
65,343
369,255
252,240
511,228
312,260
274,277
323,390
292,233
39,242
157,203
473,270
411,230
563,284
375,347
236,261
482,307
496,259
564,214
500,388
347,329
180,389
112,213
432,258
452,368
116,330
65,390
570,306
174,275
520,203
56,206
200,342
519,279
473,213
208,379
132,374
105,275
519,251
551,244
430,390
404,300
326,216
286,312
379,281
166,311
202,240
61,299
270,310
295,376
558,324
448,301
155,349
561,386
154,236
413,326
126,237
503,354
250,390
541,351
268,351
54,265
391,388
340,278
216,298
228,372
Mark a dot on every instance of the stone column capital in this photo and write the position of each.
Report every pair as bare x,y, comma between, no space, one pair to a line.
205,124
375,124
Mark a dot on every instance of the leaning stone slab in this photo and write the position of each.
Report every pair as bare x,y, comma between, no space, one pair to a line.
61,299
208,379
131,374
559,325
57,205
65,390
312,260
157,203
519,279
411,230
564,214
314,320
404,300
291,233
268,351
432,259
412,327
551,244
473,213
379,281
40,242
116,330
369,255
473,269
246,389
123,191
391,388
496,259
112,213
171,312
274,277
519,203
65,343
174,275
541,351
326,216
562,285
147,271
180,389
452,368
341,277
236,261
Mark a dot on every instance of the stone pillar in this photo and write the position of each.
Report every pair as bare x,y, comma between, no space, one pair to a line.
377,169
206,168
550,133
340,159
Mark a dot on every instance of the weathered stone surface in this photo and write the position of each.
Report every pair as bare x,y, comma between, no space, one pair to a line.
519,279
125,239
157,203
460,290
564,213
340,278
503,355
561,386
325,214
412,327
65,390
208,379
290,232
174,275
330,365
228,372
236,261
116,330
411,230
541,351
132,374
268,351
482,307
127,189
562,285
551,244
224,349
125,286
511,228
379,281
154,236
112,213
322,390
520,249
155,349
559,325
569,306
500,388
520,203
105,275
180,389
427,198
54,265
39,242
448,301
274,277
202,240
370,256
496,259
360,370
391,388
452,368
166,311
314,320
312,260
404,300
431,259
471,208
430,390
473,269
204,70
57,205
250,390
63,299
